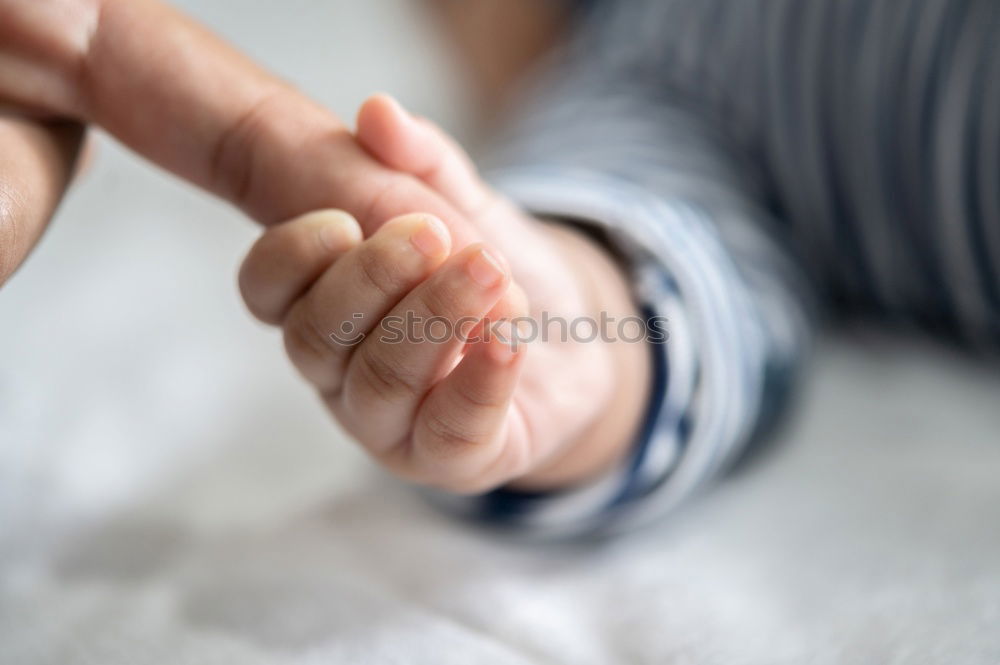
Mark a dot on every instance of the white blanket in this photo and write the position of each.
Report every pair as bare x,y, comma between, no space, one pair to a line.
171,493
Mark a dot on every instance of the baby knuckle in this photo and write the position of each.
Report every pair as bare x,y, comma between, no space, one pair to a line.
440,301
387,379
444,435
478,398
303,337
379,271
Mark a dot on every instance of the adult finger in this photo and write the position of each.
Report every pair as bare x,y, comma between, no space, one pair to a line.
36,164
178,95
418,147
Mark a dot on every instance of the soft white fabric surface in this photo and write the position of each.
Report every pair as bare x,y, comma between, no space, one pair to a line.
170,493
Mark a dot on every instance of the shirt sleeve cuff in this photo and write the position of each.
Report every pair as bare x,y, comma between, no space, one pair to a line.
705,360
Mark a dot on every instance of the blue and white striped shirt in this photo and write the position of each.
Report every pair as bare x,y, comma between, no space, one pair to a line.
751,158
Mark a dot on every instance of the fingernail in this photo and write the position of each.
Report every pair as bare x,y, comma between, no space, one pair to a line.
485,269
431,239
337,237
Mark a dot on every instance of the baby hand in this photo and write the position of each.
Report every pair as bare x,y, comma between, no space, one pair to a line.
355,315
411,336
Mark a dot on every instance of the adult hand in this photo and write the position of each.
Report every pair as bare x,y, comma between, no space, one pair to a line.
179,96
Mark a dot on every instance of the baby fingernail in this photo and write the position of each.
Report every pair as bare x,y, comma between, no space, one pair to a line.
431,239
485,269
336,237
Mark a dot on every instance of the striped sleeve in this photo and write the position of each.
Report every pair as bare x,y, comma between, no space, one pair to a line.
604,144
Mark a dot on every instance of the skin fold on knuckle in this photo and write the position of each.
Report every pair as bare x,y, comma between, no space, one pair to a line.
306,344
444,299
445,434
478,398
454,471
381,269
448,454
235,152
383,378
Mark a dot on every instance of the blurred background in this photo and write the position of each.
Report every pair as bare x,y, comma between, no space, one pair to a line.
171,492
